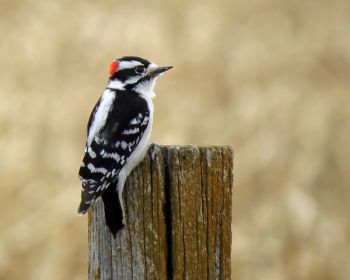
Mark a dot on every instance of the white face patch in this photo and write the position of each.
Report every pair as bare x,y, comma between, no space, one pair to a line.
115,84
146,88
128,64
152,66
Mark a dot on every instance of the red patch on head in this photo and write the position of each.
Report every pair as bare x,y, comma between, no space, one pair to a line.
113,68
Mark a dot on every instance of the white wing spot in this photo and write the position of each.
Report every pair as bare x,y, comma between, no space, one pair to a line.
104,186
131,131
124,145
131,145
122,160
94,169
112,155
98,140
135,121
92,154
145,121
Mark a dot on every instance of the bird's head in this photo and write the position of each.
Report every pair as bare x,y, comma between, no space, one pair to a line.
134,73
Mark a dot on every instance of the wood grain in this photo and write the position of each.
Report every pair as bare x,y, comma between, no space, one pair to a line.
178,202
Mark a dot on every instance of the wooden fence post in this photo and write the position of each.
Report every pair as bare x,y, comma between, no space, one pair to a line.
178,203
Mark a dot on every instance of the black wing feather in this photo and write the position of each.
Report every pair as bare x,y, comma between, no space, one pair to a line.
112,145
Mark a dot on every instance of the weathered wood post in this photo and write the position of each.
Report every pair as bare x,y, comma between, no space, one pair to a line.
178,203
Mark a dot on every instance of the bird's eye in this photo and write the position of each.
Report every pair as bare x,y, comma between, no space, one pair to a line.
139,69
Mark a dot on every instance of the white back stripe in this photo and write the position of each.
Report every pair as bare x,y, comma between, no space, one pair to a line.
100,116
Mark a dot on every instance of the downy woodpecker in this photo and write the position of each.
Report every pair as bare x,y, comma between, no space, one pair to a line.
117,135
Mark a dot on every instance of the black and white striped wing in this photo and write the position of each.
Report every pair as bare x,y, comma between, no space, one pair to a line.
112,146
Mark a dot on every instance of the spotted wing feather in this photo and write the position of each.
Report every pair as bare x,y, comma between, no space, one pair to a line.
111,146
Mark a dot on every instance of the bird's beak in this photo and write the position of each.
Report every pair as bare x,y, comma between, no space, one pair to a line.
155,71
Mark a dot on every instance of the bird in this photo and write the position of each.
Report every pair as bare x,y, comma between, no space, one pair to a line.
118,132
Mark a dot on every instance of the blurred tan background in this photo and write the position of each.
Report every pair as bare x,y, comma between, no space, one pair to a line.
271,78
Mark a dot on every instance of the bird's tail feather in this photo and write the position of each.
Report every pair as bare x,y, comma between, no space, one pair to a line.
87,198
113,210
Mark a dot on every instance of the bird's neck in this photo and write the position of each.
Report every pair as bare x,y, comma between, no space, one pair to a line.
144,89
116,85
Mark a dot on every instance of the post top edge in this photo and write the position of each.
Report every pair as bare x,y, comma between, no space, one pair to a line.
189,146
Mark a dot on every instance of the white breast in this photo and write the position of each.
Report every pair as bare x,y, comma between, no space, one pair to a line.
137,155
